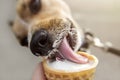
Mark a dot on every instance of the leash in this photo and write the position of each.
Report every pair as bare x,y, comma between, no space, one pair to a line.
91,39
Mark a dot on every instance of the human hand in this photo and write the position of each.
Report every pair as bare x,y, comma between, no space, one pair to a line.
39,73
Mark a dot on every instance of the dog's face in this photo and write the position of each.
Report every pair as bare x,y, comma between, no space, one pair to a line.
47,32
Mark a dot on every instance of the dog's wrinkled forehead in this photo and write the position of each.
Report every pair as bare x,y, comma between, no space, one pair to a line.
54,26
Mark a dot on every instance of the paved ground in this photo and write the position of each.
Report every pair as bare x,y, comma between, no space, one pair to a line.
102,17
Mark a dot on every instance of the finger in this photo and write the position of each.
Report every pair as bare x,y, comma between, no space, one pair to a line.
39,73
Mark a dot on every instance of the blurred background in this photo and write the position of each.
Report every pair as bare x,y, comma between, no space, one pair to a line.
101,16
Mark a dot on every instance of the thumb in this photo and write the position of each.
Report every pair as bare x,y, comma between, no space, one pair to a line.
39,73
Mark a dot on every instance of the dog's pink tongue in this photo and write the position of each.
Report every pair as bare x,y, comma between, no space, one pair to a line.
69,54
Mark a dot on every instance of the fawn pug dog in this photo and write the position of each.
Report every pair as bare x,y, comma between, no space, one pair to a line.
43,25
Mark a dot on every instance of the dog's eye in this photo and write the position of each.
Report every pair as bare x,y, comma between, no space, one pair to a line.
35,6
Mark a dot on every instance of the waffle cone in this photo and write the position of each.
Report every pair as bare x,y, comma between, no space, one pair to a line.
86,74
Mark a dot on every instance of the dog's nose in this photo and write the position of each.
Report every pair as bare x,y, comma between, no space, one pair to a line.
41,43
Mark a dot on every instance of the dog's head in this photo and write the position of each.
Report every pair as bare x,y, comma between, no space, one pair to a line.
50,24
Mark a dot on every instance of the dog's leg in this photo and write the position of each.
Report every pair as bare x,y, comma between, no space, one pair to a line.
20,32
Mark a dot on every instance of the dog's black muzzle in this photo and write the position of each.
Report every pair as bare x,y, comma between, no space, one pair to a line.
41,43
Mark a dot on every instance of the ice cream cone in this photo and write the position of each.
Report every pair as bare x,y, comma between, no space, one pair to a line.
85,74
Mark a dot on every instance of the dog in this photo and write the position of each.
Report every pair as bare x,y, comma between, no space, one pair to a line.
41,25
